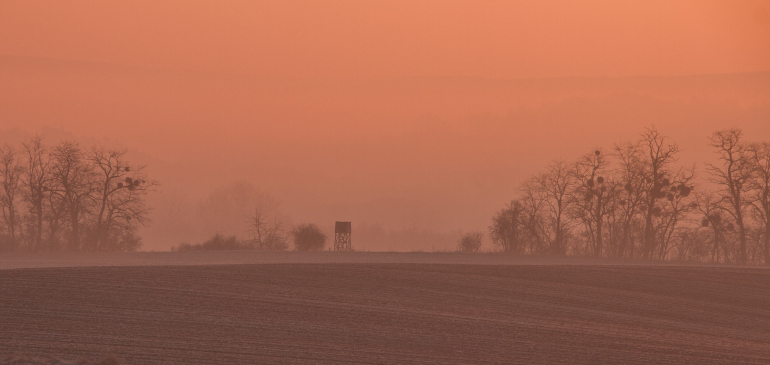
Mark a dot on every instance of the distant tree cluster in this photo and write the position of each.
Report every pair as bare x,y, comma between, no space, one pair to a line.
636,202
69,198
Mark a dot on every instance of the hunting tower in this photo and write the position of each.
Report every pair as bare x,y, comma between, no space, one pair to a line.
342,232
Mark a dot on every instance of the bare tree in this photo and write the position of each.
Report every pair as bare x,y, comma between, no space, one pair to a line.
259,227
507,229
533,203
36,180
632,173
644,206
673,209
734,177
614,214
554,186
126,211
56,203
692,244
659,156
11,171
119,195
268,230
94,200
111,169
759,156
590,198
711,207
267,225
76,185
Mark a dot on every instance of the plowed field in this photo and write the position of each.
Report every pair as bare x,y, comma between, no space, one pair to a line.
336,313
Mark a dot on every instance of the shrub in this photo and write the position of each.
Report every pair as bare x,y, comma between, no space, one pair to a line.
470,242
308,237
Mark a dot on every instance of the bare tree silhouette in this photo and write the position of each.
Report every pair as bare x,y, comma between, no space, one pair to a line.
92,200
759,155
268,230
11,171
734,177
36,180
508,229
659,156
637,203
554,186
590,198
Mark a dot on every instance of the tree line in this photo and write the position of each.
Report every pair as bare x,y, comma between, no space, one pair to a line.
635,202
65,197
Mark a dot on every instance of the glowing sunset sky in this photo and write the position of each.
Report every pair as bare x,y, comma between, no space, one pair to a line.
402,113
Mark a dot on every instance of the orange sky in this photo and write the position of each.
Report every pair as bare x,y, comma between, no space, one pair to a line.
491,39
400,113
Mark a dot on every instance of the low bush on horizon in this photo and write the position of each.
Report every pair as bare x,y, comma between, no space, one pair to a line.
470,242
308,237
216,243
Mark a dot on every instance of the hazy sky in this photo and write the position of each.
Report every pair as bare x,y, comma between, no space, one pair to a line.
400,113
490,39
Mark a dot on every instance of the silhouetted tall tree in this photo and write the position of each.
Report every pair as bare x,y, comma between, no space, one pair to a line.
36,180
119,193
591,196
673,208
632,173
11,171
77,182
759,156
711,207
554,186
508,228
733,176
658,157
535,229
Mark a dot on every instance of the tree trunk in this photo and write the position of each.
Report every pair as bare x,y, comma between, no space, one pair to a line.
53,240
599,243
100,231
625,238
557,241
742,255
74,221
649,237
12,225
37,201
767,242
